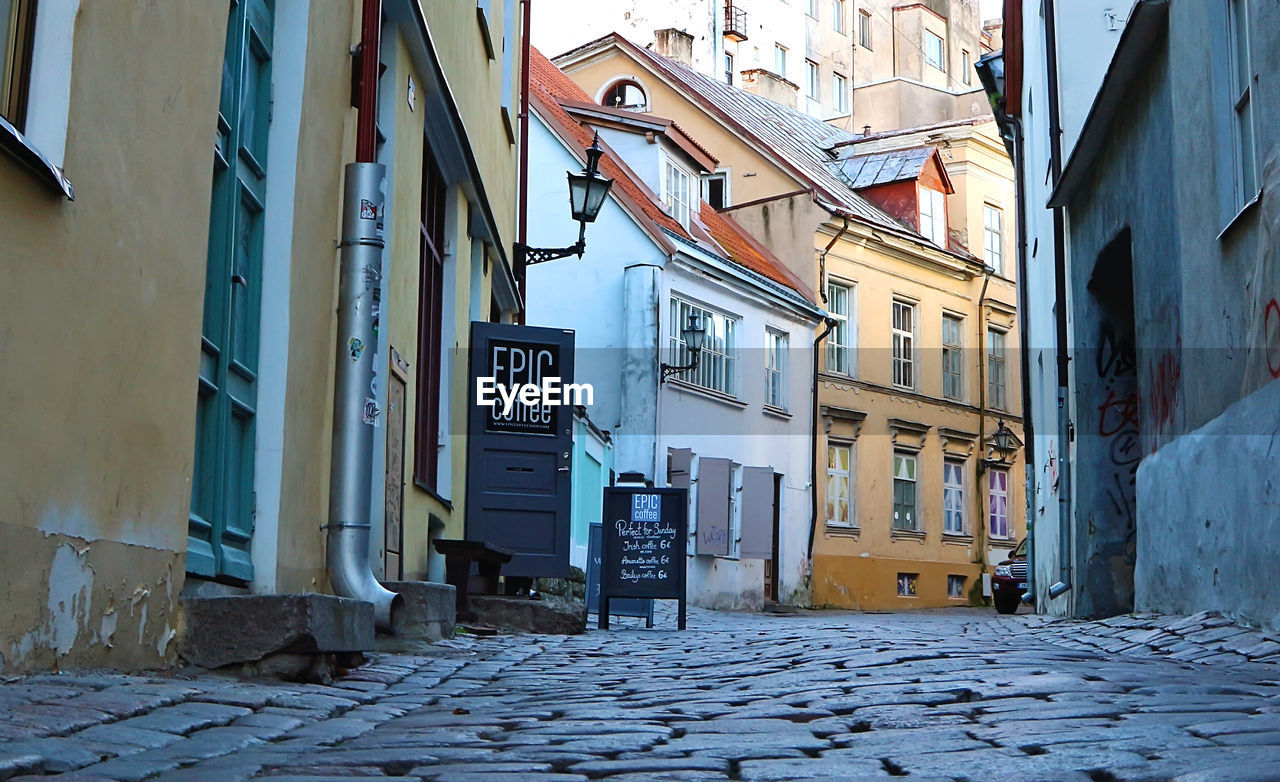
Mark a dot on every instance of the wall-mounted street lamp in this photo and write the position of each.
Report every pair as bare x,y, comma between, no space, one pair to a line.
1004,444
587,192
693,333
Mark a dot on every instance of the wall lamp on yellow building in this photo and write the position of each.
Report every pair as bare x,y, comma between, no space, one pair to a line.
1004,444
587,192
693,334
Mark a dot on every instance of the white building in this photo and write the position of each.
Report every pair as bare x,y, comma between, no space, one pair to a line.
737,429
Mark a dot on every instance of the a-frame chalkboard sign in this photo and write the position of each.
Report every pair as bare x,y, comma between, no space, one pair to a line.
645,542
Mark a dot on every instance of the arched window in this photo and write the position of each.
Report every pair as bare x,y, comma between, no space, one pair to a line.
627,95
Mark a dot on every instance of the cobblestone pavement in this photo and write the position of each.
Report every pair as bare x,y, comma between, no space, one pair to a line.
953,694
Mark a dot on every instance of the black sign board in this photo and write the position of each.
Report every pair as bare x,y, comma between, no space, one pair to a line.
620,606
645,535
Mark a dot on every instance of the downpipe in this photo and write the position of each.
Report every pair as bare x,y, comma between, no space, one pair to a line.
355,406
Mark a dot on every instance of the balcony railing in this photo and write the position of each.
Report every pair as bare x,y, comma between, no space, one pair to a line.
735,22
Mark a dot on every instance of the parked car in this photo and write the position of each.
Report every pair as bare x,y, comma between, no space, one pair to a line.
1009,583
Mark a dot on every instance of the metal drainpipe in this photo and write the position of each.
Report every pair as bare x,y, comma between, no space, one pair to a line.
354,410
1028,425
822,259
1066,554
813,436
982,535
522,234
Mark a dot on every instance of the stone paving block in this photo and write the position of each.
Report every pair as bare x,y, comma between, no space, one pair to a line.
328,705
208,743
810,768
670,776
605,768
268,722
14,763
393,760
56,720
186,717
120,705
432,772
60,755
125,736
513,776
326,733
130,770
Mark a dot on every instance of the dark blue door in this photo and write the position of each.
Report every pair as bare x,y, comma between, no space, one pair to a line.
519,455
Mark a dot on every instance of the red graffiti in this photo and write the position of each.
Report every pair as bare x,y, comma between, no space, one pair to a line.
1271,326
1166,378
1116,415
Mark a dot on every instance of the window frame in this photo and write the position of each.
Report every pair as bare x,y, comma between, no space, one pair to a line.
913,481
908,585
839,8
780,53
864,29
777,342
937,221
17,47
812,10
997,359
637,108
839,92
728,67
956,578
953,482
904,344
813,74
998,511
953,353
929,37
993,237
966,67
842,336
715,363
681,211
432,241
1245,173
835,473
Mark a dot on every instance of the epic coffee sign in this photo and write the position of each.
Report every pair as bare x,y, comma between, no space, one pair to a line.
518,365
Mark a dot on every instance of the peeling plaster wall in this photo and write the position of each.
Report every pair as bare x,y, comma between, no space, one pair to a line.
100,302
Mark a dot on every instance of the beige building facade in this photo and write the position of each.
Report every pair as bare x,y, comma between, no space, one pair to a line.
170,343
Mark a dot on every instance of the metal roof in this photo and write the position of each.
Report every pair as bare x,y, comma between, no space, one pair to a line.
881,168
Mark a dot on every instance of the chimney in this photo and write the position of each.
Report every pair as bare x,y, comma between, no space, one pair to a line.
673,43
770,86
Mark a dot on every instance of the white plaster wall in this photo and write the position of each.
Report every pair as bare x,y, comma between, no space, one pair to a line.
1087,39
560,25
712,427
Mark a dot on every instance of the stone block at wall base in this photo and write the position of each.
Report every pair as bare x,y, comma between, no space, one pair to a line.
243,629
549,616
430,609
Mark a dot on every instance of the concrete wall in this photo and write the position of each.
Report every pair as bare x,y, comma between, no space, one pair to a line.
100,302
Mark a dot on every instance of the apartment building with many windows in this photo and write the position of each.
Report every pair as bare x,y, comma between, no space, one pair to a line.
910,508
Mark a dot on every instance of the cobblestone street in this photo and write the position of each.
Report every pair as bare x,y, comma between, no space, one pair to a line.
958,694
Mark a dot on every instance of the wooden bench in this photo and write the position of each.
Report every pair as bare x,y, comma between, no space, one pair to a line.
458,556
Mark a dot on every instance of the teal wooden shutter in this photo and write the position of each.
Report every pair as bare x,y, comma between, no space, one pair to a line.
222,500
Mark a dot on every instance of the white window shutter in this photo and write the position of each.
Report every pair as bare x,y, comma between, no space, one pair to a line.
757,513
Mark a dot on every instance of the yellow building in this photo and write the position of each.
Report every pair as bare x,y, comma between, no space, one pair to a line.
907,401
169,335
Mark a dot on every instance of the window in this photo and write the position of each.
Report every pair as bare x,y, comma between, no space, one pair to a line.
952,357
904,316
812,74
839,93
812,9
715,189
839,492
997,390
17,28
717,363
993,237
839,301
431,242
864,29
998,488
904,492
775,369
953,497
955,586
1241,94
966,72
934,51
728,68
780,60
933,216
626,95
907,584
675,191
837,15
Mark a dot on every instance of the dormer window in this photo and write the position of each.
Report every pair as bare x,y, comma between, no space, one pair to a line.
933,216
676,194
626,94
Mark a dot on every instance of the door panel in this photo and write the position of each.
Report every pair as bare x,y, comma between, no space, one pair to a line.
222,498
519,482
